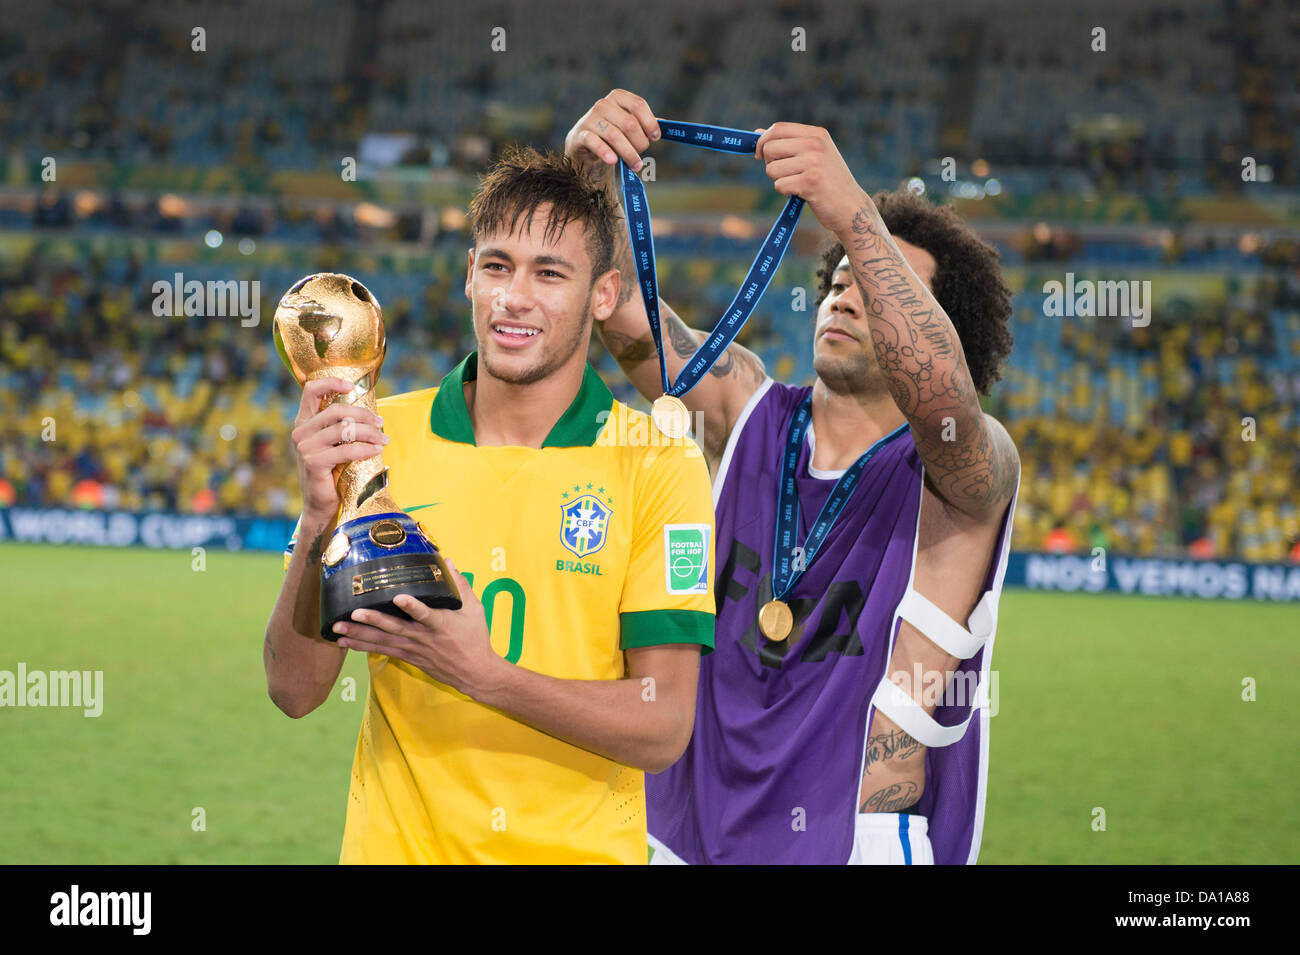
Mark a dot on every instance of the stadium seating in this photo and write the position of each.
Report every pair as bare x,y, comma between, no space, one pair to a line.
919,81
1173,440
1129,439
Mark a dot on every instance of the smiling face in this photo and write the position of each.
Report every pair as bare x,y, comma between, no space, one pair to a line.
844,357
534,300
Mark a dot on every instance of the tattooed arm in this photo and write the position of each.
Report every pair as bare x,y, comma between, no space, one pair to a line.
970,460
622,125
893,776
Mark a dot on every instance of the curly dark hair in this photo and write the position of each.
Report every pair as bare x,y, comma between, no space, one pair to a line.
967,280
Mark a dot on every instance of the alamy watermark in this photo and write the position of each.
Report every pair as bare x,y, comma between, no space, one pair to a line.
638,431
128,909
212,299
961,688
1084,298
64,688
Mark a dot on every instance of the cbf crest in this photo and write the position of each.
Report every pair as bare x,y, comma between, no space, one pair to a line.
584,524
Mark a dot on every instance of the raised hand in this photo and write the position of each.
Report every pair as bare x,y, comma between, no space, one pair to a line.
803,161
619,126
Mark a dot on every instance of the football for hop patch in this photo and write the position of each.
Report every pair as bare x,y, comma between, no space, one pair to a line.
686,558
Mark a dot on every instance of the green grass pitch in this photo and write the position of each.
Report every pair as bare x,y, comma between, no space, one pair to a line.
1132,705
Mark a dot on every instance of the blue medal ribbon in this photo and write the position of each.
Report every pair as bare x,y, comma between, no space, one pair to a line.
637,209
784,574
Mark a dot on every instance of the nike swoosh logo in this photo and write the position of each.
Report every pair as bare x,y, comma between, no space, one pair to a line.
420,507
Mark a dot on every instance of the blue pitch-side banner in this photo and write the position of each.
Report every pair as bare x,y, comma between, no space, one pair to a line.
144,529
1064,573
1154,577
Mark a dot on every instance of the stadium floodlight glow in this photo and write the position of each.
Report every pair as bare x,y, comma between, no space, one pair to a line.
247,246
993,188
376,217
87,203
173,207
916,186
732,226
213,239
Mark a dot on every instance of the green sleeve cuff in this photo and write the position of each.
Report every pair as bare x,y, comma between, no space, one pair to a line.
652,628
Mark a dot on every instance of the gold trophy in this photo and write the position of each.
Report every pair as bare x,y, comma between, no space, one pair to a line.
329,325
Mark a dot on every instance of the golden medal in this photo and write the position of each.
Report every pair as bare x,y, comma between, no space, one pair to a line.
775,620
670,416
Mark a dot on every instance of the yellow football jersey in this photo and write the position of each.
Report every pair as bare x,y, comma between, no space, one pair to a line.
600,541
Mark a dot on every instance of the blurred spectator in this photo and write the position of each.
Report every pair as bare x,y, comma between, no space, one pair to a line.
193,413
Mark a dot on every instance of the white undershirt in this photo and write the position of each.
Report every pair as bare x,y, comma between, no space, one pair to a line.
818,472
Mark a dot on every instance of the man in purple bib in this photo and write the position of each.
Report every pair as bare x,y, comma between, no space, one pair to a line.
863,527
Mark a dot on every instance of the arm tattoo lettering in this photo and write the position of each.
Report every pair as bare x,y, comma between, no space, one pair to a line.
920,354
886,745
892,798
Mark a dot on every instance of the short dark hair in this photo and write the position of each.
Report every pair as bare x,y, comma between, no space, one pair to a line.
524,179
967,281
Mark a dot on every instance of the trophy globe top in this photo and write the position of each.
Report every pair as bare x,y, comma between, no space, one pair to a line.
329,325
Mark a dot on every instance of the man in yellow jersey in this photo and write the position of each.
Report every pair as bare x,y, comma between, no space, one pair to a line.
518,728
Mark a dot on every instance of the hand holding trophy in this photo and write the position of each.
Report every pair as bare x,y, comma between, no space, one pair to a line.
329,325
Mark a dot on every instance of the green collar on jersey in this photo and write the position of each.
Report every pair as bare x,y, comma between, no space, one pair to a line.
578,427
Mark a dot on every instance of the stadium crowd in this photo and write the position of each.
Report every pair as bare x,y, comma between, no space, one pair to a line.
127,85
1174,439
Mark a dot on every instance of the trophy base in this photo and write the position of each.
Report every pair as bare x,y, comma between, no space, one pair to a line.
385,555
